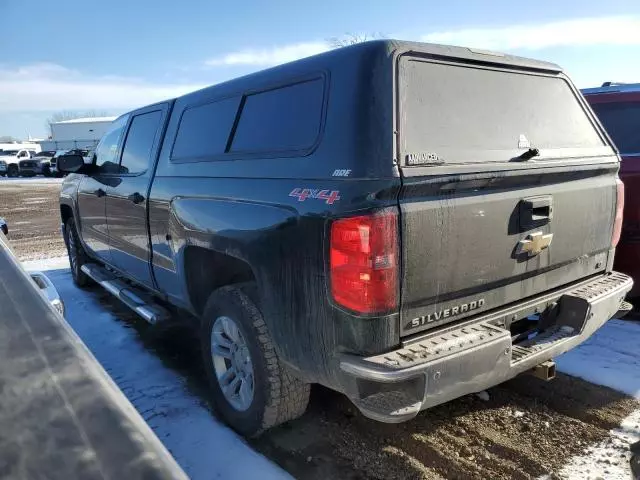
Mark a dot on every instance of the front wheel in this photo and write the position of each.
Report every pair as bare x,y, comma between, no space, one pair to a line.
13,171
252,389
77,255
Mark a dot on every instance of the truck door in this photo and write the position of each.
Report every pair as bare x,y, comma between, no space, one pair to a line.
126,201
92,192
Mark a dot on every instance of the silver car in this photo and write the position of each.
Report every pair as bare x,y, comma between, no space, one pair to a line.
47,289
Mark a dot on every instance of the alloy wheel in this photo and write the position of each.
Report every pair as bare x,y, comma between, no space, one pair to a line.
232,363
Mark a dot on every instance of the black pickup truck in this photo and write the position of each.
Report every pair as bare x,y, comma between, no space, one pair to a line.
404,223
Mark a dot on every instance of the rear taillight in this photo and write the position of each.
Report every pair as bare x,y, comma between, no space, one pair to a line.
363,262
617,223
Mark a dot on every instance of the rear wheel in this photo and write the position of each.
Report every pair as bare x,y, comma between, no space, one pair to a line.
252,390
77,254
13,171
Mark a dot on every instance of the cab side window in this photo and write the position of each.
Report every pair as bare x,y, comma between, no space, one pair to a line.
106,156
136,152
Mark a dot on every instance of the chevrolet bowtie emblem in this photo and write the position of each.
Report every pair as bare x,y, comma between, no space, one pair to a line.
534,243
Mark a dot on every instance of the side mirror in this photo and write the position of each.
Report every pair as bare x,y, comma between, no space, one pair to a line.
70,163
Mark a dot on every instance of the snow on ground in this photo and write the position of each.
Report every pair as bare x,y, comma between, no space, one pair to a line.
611,358
204,447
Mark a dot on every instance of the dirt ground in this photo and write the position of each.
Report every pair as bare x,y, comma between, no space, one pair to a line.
31,210
525,429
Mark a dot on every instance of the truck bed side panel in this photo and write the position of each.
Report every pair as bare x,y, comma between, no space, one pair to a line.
283,242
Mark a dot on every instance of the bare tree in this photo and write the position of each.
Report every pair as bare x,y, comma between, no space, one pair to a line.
63,115
353,38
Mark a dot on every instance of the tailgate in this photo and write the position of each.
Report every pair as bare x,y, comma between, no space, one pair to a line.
482,227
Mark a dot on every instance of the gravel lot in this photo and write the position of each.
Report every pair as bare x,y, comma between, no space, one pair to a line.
30,208
525,429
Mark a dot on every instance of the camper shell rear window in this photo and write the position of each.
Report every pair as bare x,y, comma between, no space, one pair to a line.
455,113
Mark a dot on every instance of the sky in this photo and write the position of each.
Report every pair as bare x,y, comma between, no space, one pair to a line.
116,55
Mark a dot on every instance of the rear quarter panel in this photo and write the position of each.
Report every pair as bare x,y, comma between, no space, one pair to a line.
283,240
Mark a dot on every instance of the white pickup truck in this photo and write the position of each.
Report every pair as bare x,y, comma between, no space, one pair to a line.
10,159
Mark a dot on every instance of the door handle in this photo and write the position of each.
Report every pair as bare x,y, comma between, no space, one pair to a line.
535,211
136,198
99,193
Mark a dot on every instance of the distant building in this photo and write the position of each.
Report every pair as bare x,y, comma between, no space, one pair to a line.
76,133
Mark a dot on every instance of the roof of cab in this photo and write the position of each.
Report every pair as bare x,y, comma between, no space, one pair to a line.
612,87
383,49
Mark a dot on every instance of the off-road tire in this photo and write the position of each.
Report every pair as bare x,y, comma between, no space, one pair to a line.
278,395
13,171
80,278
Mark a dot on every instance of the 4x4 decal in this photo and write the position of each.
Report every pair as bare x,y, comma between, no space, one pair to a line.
329,196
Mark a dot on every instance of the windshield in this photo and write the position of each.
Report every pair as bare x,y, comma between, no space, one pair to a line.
459,114
622,122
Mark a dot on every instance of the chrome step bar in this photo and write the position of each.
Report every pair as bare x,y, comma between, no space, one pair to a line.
130,296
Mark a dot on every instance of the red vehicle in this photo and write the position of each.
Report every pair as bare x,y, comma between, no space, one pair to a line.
618,108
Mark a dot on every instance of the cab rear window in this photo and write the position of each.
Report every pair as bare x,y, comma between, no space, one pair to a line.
622,122
457,113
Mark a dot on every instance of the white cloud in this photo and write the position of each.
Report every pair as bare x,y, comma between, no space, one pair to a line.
46,86
265,57
576,32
